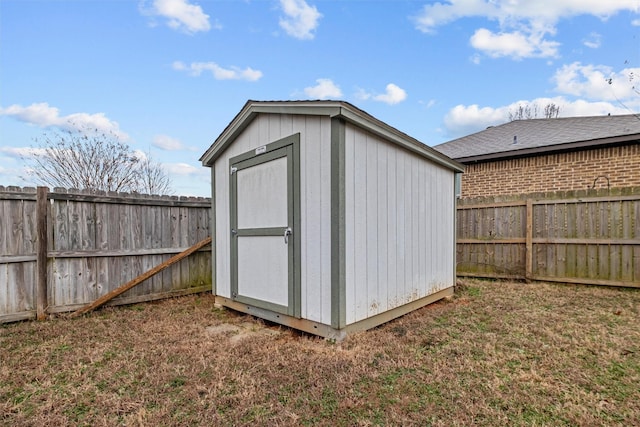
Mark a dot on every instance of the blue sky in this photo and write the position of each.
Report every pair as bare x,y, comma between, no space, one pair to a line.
167,76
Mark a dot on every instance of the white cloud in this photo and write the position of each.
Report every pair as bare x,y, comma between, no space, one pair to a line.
218,72
428,104
21,152
45,116
181,15
301,20
393,95
167,143
466,119
182,169
594,41
325,89
523,25
463,120
597,82
515,44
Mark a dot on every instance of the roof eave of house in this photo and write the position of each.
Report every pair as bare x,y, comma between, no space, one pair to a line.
333,109
503,155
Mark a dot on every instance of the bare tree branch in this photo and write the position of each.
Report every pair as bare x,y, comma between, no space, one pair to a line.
90,160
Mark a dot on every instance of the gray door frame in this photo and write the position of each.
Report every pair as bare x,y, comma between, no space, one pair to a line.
288,147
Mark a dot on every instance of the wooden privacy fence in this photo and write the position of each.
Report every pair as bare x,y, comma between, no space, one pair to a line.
63,249
587,237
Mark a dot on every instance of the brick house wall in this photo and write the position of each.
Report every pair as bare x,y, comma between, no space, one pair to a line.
574,170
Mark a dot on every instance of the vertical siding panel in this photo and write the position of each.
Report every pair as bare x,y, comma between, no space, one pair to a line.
360,226
433,223
401,227
275,121
383,222
310,208
350,226
286,125
392,232
325,206
415,229
423,224
371,219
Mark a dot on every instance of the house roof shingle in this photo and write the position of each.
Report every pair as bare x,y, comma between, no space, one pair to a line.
523,137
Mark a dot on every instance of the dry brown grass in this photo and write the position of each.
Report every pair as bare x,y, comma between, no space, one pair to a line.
496,354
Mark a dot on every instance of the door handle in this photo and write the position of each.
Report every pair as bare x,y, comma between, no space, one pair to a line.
287,233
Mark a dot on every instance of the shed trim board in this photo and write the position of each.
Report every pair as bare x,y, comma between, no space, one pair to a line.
352,213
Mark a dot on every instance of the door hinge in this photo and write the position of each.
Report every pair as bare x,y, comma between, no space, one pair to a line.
233,170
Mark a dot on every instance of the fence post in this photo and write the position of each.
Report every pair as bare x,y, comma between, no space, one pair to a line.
528,273
41,253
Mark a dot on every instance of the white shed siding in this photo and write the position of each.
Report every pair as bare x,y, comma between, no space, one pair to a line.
399,221
315,205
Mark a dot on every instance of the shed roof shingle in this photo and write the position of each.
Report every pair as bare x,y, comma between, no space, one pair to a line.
521,137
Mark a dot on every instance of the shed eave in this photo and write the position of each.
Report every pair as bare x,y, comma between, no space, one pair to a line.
339,109
390,133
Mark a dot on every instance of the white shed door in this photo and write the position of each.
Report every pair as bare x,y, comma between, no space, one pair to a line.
262,228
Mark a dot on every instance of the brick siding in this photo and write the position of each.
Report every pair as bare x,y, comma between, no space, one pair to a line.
577,170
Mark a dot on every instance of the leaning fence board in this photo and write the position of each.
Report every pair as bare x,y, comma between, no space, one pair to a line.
121,289
586,237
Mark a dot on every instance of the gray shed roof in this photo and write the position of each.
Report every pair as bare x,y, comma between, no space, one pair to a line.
333,109
533,136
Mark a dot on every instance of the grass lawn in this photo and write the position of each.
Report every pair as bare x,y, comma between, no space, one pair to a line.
498,353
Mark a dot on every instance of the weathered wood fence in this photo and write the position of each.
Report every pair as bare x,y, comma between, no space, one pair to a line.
587,237
62,249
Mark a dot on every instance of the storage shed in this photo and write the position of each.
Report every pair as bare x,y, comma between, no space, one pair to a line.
328,220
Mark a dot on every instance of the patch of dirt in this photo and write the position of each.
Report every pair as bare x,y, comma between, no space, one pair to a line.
239,332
